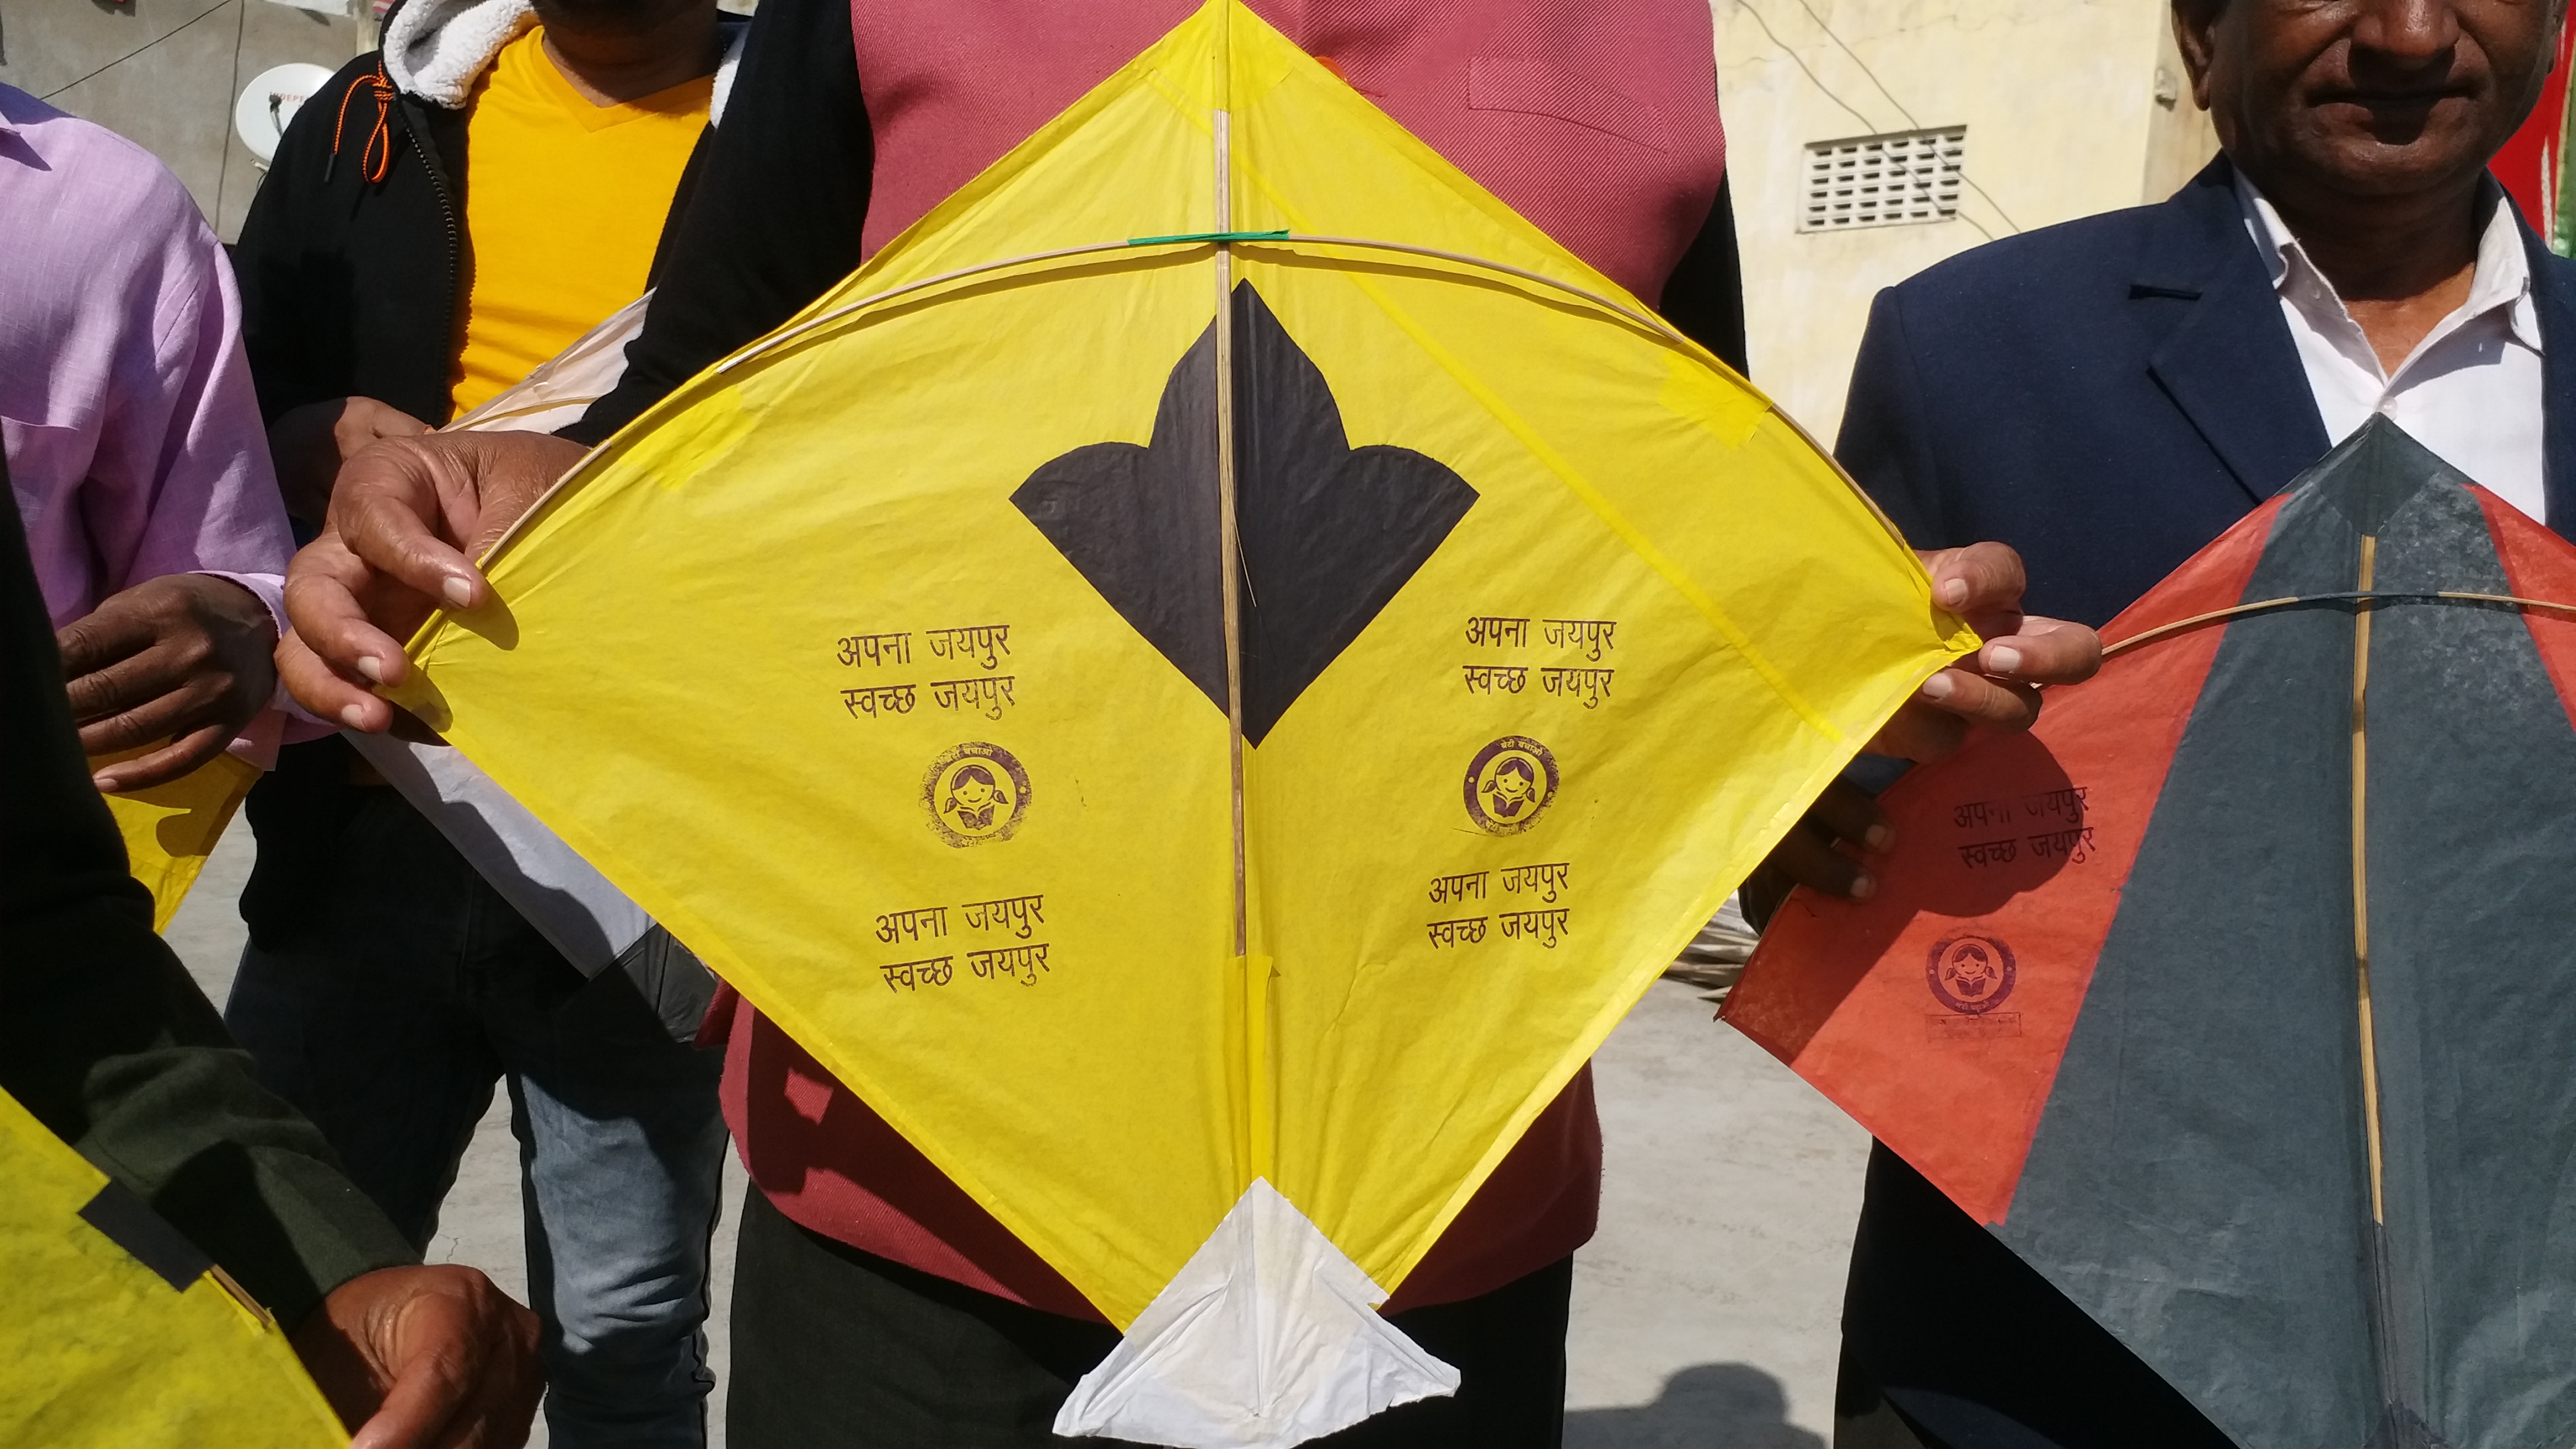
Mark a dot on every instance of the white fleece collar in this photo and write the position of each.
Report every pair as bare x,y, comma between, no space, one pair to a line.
437,49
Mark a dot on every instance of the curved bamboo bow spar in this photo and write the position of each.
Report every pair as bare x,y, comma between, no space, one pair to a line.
1204,733
2228,1001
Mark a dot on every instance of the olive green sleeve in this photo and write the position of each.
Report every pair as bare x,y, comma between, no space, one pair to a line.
105,1039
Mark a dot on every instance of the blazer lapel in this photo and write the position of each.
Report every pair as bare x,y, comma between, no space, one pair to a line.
2553,295
2229,363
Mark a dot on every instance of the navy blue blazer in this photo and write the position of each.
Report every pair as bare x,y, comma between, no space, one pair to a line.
2106,396
2109,395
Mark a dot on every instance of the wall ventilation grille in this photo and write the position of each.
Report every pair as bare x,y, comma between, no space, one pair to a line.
1893,180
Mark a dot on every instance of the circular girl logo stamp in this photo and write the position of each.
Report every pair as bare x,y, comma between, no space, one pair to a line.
1970,971
976,793
1510,784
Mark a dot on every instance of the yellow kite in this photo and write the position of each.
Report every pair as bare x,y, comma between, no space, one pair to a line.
120,1334
170,829
1208,774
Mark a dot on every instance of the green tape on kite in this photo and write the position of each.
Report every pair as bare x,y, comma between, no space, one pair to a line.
1208,236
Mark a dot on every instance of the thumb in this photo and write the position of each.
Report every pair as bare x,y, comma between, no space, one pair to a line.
433,1356
389,510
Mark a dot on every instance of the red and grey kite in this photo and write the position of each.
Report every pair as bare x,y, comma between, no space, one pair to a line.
2236,997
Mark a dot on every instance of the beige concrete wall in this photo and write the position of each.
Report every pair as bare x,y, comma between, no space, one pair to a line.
2059,100
165,73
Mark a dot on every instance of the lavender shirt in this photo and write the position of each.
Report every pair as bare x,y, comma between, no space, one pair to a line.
135,443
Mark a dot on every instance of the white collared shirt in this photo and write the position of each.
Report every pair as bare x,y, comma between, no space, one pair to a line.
2471,390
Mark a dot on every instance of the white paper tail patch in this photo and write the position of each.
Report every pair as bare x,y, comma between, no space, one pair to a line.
1267,1337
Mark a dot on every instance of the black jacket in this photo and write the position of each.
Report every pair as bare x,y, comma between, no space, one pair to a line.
352,286
354,265
2109,395
775,218
105,1040
354,269
355,261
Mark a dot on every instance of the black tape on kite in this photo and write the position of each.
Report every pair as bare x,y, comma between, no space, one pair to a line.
131,1224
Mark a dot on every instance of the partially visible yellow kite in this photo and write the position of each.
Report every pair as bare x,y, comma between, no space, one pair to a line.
1209,775
119,1333
170,829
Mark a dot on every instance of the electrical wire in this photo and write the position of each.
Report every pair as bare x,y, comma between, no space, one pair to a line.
1900,107
1800,62
138,50
1818,82
223,173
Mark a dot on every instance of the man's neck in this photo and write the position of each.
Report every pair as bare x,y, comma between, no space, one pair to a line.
612,65
2400,263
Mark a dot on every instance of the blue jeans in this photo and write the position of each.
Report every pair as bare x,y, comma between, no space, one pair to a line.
389,1014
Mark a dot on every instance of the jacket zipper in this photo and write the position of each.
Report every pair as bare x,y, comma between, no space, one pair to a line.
447,211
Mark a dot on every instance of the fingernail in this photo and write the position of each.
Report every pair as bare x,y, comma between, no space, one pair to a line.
1951,593
372,667
354,717
1863,886
2003,659
458,591
106,785
1939,686
1878,838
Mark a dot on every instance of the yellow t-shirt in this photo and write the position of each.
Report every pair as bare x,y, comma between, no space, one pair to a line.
564,202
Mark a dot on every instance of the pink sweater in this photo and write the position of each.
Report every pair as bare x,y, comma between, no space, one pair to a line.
1595,119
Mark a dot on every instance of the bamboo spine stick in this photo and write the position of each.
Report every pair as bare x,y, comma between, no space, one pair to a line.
1254,974
2386,1340
1228,538
2361,876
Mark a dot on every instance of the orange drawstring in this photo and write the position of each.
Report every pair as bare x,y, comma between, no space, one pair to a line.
379,152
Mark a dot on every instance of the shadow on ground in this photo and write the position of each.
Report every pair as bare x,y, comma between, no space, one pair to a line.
1706,1406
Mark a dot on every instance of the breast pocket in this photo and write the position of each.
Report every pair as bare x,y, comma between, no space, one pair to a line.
1538,88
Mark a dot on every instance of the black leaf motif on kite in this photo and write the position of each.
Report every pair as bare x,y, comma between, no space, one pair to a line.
1330,532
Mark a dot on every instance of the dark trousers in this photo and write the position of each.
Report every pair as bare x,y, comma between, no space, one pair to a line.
834,1348
410,988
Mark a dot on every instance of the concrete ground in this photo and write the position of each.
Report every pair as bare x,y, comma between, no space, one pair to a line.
1704,1310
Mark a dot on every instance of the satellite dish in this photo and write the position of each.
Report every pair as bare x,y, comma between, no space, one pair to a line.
270,101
